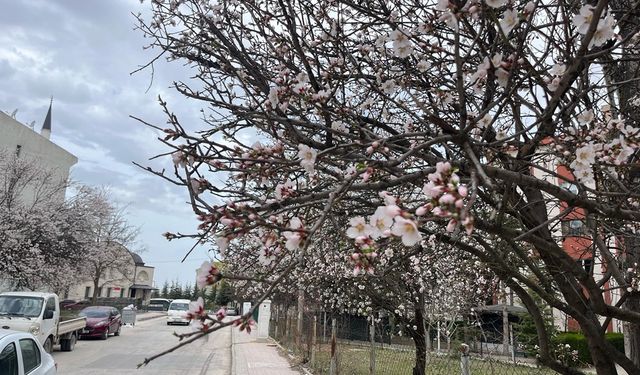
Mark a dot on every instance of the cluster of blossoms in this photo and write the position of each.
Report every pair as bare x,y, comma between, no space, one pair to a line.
604,30
633,277
565,354
447,195
610,142
245,324
207,274
200,320
182,158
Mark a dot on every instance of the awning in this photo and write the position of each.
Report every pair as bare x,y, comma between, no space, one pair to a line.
140,286
500,307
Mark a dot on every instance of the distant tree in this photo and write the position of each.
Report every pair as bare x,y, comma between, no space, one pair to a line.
187,291
195,293
176,290
107,258
225,294
165,290
211,296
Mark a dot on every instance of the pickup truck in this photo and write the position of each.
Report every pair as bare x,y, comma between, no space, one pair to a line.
39,314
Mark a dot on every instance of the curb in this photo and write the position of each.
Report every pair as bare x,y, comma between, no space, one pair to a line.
143,318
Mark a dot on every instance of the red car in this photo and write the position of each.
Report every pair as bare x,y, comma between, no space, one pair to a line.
101,321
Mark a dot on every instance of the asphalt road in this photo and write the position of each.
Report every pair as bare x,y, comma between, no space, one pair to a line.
120,355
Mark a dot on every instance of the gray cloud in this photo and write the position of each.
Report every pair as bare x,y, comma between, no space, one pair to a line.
82,53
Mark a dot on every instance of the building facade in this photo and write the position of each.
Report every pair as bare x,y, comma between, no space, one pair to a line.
130,279
23,142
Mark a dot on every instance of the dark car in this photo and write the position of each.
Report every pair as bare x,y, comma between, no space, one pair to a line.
101,321
76,305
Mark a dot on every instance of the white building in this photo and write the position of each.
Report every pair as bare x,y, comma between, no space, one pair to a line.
135,280
24,142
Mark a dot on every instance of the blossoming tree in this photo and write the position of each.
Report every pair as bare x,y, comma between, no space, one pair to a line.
480,125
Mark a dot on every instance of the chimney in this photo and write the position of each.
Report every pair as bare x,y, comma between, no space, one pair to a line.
46,126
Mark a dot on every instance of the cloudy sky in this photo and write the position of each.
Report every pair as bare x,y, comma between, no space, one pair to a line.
82,53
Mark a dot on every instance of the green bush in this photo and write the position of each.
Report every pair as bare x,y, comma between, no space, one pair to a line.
578,342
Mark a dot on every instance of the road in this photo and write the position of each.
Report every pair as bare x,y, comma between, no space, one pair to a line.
120,355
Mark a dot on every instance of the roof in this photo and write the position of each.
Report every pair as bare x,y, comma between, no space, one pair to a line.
136,259
28,294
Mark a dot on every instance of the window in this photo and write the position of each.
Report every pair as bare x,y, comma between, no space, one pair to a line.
100,292
30,355
121,292
21,306
573,228
9,360
51,304
108,292
87,292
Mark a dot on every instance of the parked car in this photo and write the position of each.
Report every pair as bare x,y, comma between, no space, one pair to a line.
231,311
101,321
76,305
21,353
158,304
177,312
39,314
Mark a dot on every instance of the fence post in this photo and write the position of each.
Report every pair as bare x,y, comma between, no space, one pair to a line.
314,340
300,319
372,340
333,367
464,359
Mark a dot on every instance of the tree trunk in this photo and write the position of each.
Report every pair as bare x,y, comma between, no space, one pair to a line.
418,336
632,331
96,286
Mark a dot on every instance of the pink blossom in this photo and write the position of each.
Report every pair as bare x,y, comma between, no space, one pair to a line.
307,156
463,191
509,21
407,229
358,227
447,199
380,221
196,309
583,19
443,167
431,190
207,274
221,313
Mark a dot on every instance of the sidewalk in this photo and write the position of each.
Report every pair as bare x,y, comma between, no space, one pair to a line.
257,356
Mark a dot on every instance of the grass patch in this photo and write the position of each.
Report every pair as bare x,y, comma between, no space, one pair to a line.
354,360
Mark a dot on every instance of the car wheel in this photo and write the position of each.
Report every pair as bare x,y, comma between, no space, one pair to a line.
68,344
48,345
117,333
105,335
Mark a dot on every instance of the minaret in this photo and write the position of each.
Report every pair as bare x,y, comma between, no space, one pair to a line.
46,126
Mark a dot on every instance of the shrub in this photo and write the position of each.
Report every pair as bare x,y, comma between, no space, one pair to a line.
578,342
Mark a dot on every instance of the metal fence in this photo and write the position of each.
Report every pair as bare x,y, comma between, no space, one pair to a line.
351,345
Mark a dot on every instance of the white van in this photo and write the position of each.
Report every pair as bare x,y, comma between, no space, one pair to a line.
177,312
